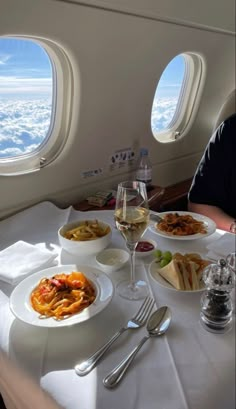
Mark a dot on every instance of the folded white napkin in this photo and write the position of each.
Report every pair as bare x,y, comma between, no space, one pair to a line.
22,259
222,247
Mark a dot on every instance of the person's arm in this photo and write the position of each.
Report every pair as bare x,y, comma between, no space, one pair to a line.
19,391
223,221
212,192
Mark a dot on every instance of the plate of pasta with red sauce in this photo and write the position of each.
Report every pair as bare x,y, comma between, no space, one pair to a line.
61,296
183,225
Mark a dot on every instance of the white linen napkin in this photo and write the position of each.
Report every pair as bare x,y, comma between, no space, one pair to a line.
222,247
22,259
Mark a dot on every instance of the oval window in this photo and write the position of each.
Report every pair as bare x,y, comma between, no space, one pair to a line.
176,97
36,82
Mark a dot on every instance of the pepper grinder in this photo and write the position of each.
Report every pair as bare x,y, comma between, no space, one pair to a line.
231,261
216,303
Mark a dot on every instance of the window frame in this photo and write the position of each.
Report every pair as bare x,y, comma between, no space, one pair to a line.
188,101
58,130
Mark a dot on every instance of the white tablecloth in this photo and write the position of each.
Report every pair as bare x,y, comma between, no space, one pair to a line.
188,368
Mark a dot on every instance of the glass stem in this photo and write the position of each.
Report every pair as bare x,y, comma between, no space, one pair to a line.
131,248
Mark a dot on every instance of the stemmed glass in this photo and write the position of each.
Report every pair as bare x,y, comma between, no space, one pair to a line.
132,217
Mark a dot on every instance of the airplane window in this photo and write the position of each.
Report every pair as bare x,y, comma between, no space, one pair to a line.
176,97
167,94
29,109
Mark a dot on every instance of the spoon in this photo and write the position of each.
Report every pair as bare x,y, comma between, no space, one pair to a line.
157,325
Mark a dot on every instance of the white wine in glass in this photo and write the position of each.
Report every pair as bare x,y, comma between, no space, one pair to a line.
132,217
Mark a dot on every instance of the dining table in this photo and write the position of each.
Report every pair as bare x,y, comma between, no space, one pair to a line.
188,367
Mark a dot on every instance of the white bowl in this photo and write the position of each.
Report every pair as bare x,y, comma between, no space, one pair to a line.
84,248
111,260
149,252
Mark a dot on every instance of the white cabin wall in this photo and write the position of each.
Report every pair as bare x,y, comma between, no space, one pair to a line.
210,14
117,62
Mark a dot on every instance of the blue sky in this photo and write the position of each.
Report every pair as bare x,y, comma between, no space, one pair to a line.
29,57
24,69
171,79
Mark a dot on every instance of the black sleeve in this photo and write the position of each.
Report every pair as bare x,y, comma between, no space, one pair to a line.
209,183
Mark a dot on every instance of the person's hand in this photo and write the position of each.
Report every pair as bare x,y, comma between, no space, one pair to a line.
233,227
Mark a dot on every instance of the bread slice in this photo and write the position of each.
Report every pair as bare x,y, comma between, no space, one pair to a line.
195,278
185,274
172,274
190,276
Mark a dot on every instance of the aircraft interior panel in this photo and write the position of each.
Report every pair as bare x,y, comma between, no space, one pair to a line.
117,60
86,88
211,14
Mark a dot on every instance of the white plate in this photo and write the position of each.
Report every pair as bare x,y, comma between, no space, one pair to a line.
163,283
208,223
20,298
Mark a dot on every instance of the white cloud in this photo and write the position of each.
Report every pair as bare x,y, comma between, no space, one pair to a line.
14,85
10,152
162,113
4,58
165,84
24,124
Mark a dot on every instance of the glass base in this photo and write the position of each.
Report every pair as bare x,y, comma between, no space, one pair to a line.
135,291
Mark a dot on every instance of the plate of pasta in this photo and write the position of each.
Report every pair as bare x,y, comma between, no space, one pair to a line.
183,225
61,296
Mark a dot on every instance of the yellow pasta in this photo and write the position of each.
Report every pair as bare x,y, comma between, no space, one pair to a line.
62,295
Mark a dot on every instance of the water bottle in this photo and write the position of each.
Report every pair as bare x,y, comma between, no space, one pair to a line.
144,168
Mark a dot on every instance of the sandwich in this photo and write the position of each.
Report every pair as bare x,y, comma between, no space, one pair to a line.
184,272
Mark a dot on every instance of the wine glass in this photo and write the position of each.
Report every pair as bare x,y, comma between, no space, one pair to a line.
132,217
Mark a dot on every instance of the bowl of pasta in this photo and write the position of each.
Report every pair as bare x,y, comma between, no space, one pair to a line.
85,237
61,296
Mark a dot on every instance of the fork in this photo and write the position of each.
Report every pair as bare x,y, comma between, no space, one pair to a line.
155,216
137,321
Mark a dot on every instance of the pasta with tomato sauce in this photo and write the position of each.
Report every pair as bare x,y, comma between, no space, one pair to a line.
181,225
62,295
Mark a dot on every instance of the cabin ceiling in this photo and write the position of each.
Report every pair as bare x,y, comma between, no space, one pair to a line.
211,14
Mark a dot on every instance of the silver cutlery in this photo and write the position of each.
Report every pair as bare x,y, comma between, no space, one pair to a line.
156,195
155,216
157,325
83,368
